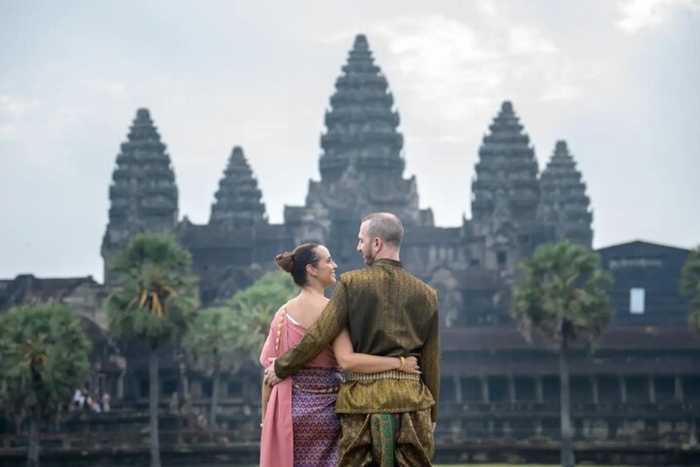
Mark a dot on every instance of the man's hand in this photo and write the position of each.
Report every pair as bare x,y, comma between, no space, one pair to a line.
270,377
433,427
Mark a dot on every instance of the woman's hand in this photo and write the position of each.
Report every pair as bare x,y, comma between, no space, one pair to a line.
411,366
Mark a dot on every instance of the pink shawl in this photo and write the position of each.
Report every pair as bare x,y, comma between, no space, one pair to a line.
276,442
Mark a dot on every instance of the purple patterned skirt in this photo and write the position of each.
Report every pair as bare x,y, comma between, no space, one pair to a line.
316,425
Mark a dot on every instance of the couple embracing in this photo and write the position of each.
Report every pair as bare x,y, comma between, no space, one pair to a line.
379,324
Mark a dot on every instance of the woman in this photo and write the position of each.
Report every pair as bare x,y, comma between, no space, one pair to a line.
299,420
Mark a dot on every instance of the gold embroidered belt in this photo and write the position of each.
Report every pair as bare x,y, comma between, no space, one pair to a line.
391,374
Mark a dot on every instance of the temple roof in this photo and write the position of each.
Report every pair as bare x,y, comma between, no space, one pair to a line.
238,200
565,204
26,289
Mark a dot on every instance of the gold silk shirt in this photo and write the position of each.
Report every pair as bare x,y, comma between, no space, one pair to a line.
388,312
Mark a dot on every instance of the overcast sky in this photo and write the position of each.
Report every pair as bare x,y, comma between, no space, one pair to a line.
618,79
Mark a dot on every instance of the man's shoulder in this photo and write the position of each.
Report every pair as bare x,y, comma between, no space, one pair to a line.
368,275
427,288
355,275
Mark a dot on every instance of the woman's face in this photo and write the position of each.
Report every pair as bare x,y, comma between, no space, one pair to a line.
326,267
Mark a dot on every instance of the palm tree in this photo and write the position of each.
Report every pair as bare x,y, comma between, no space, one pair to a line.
690,286
222,340
43,357
154,305
562,292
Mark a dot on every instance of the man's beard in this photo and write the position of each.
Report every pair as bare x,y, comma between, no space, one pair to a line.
368,257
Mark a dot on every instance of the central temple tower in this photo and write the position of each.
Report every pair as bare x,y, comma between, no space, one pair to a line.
361,163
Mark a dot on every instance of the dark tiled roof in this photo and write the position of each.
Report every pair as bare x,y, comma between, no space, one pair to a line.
26,289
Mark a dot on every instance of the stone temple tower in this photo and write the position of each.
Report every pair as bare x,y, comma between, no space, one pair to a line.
238,199
143,194
565,205
362,161
505,195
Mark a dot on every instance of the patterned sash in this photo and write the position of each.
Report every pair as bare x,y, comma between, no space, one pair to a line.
385,431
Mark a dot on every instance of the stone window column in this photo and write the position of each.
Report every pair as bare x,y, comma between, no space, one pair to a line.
458,388
623,389
539,389
595,395
511,389
485,389
678,389
120,385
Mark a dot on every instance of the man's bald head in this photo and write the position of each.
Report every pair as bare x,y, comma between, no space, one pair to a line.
385,226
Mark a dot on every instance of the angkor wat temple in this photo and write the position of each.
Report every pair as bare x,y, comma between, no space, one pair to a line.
642,382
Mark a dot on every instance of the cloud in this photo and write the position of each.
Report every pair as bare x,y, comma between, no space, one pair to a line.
460,68
6,131
111,88
649,14
16,106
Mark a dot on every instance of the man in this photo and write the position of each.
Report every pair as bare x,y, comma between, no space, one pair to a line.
388,418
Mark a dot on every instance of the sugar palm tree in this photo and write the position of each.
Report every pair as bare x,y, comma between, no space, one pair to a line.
43,357
154,305
562,292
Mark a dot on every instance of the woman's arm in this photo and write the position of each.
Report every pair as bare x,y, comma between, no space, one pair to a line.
364,363
266,390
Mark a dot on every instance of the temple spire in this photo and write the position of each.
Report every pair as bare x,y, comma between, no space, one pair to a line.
238,200
362,123
565,204
143,194
506,164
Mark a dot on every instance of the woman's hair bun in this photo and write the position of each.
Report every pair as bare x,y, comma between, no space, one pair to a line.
285,261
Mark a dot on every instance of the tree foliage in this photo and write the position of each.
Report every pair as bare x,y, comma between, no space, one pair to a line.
227,338
690,286
209,340
248,313
156,298
562,291
254,307
234,333
44,354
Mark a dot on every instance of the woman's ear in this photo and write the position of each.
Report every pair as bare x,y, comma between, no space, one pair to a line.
311,270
